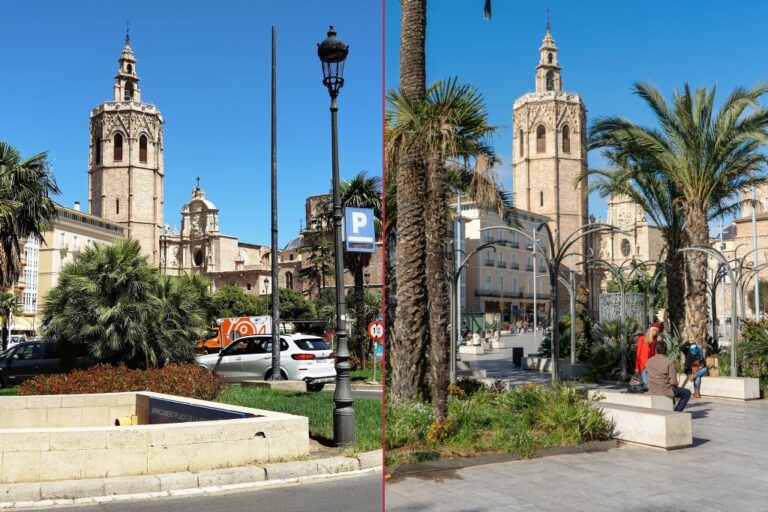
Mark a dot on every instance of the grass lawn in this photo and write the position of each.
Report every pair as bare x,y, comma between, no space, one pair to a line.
318,407
9,391
481,421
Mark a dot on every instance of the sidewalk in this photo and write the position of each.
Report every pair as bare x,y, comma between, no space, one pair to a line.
498,362
725,469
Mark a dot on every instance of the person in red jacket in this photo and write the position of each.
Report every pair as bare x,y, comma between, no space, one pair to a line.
646,348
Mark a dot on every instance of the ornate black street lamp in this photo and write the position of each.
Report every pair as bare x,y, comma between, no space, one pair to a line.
333,52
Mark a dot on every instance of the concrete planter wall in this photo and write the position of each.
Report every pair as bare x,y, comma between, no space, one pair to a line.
45,438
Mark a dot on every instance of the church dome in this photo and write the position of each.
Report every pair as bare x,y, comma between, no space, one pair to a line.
294,244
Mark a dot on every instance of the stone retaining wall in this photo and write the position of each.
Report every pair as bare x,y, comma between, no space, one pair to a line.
81,452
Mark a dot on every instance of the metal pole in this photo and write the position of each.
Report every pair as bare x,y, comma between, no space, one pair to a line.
276,373
734,328
554,324
573,316
344,413
623,330
722,247
375,346
452,366
754,246
533,244
456,290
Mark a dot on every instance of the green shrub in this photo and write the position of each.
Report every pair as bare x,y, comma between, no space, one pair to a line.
407,422
182,380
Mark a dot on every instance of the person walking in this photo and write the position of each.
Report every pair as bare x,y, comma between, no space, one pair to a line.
695,367
646,348
662,378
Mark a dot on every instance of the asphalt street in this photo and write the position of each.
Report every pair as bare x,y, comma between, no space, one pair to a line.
355,494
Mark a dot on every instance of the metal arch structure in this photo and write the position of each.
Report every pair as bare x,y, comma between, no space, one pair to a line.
719,256
554,256
453,278
616,271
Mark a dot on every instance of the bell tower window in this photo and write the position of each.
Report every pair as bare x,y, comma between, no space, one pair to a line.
541,139
97,150
541,199
566,139
128,91
549,58
521,145
550,80
118,151
143,149
129,68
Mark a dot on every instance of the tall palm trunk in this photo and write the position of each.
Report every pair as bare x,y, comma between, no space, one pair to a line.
675,274
407,347
696,316
437,286
360,329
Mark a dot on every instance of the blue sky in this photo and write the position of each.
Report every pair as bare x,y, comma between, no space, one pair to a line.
604,47
206,65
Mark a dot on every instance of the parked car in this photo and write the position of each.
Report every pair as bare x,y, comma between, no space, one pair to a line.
302,357
31,358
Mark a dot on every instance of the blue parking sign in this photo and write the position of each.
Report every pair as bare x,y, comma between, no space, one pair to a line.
359,232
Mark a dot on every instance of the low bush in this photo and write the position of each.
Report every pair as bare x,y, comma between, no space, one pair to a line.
522,420
183,380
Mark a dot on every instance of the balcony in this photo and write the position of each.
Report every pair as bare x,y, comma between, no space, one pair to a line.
529,267
501,264
514,244
514,266
539,295
488,263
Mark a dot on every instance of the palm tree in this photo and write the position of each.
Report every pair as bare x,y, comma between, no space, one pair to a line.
449,125
106,300
26,208
181,318
709,156
7,307
407,338
660,199
362,191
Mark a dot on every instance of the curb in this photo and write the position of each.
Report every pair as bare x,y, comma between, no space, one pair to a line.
406,470
102,490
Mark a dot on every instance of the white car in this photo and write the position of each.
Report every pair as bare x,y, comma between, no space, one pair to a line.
302,357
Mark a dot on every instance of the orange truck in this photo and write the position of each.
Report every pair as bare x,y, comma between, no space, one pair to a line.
228,330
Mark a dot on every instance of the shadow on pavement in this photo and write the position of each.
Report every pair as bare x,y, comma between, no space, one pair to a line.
698,441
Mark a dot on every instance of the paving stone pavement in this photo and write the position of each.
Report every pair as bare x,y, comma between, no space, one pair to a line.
726,469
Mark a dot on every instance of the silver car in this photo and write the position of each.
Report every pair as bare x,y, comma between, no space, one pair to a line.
302,357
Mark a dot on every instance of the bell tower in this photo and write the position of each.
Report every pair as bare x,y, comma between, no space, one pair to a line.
125,172
550,150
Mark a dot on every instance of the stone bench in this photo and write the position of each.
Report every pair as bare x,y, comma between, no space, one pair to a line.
651,427
737,388
471,349
642,400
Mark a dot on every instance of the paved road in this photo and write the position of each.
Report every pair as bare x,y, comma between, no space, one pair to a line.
726,469
358,494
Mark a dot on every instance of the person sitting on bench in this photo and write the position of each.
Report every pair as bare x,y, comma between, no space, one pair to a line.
662,377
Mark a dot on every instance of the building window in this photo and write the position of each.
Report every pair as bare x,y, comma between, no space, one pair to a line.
541,139
549,58
514,285
566,139
501,283
117,207
62,240
128,91
541,198
97,150
198,258
487,283
289,280
550,80
247,286
75,243
118,151
291,257
521,146
143,149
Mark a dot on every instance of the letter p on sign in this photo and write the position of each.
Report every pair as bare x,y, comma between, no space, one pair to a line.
359,232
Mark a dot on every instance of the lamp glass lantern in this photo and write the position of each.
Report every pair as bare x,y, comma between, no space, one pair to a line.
367,277
333,52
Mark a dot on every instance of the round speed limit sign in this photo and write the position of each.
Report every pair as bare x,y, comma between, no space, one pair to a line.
376,330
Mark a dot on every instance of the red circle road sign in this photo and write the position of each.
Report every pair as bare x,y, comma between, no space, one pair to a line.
376,330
